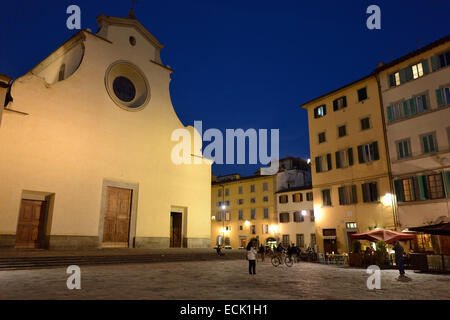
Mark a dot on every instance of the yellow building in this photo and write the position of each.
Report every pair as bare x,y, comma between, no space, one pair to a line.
86,149
351,187
243,209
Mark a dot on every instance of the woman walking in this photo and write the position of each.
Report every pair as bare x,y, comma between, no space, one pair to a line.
251,257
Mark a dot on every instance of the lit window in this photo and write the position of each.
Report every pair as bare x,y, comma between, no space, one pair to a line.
417,70
397,78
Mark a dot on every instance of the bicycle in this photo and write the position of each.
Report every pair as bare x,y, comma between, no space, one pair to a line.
278,259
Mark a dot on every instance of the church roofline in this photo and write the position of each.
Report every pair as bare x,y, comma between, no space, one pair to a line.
133,22
5,78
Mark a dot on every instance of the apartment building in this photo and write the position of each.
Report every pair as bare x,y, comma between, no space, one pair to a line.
415,92
243,209
350,173
296,217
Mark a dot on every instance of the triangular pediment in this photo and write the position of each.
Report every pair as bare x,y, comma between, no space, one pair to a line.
129,21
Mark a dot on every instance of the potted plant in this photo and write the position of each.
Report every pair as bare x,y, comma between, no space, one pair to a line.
381,254
354,257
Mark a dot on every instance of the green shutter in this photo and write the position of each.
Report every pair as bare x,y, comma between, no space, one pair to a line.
406,112
412,106
409,73
360,154
345,101
425,67
398,190
375,151
392,80
434,63
440,97
390,114
448,183
335,106
423,187
350,156
338,160
354,196
402,76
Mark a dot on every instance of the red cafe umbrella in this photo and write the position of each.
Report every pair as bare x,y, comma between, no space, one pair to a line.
388,236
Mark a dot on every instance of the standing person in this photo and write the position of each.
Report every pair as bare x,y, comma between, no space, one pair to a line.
251,257
262,252
399,257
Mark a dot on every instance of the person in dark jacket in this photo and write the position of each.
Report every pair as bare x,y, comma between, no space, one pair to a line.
399,251
262,252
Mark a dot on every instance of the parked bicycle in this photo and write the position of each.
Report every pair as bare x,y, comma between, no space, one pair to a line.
283,257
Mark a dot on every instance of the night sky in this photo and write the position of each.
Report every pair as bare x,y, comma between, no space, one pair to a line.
241,63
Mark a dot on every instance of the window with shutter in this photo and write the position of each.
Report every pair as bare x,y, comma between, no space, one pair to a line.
284,217
429,143
417,70
398,186
320,111
365,123
403,149
322,137
362,94
318,164
339,103
435,184
370,192
266,213
342,131
347,195
326,197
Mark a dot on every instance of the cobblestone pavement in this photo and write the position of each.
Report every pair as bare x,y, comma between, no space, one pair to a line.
227,280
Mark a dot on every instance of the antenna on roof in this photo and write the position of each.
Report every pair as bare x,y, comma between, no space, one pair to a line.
131,13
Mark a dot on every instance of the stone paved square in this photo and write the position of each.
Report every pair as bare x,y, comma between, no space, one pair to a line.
227,280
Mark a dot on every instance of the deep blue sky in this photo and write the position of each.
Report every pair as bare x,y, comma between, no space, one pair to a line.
241,63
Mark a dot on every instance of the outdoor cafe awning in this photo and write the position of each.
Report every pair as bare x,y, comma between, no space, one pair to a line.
442,229
388,236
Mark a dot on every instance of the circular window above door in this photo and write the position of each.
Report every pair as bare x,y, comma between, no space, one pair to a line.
127,86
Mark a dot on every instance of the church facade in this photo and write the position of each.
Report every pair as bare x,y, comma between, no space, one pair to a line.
85,149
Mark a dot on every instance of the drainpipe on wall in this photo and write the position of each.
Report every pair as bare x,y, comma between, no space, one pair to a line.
391,182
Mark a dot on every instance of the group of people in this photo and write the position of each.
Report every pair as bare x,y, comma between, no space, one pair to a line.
253,251
262,251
